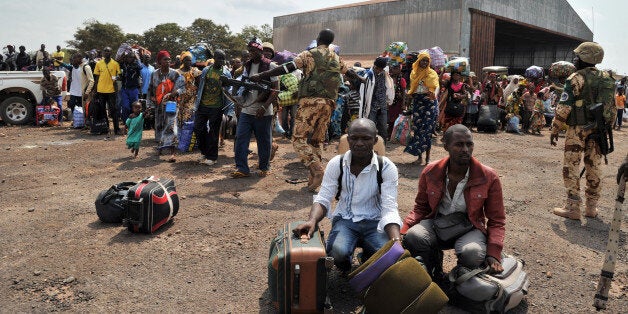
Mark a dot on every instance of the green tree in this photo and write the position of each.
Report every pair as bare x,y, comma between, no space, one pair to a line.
97,35
263,32
218,36
131,39
168,36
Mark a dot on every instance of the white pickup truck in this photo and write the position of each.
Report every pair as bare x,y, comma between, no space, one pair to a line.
20,93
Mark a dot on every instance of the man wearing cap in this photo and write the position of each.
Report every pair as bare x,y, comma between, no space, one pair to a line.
375,95
583,89
318,91
256,116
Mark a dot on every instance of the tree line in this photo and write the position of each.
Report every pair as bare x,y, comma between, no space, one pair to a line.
169,36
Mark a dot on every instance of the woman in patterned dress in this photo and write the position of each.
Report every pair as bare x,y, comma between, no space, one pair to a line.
423,85
165,85
190,76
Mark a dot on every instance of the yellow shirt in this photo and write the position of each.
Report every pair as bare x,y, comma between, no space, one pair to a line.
58,55
105,71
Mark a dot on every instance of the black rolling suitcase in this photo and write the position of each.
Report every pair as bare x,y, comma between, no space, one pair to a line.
151,203
488,116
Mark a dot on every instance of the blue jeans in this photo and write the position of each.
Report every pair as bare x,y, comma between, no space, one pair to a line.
346,235
127,97
248,124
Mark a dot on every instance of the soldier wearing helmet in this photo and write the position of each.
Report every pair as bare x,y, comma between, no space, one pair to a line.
582,89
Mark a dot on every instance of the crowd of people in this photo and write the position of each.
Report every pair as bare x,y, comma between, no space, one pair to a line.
299,95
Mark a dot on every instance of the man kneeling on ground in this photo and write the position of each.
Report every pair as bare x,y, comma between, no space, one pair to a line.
457,190
366,213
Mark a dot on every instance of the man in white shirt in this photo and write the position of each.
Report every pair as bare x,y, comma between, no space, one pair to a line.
366,213
81,81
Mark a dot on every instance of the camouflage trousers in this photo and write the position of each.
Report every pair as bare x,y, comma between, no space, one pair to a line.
575,146
310,127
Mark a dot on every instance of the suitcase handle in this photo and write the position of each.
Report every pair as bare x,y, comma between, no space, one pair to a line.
296,285
304,238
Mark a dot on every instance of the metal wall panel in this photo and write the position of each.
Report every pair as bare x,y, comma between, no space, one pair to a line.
371,34
482,46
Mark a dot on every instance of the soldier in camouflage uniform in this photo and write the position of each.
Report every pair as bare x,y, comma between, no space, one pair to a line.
582,89
318,91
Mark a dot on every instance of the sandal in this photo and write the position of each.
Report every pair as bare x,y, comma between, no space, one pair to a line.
239,174
263,173
172,159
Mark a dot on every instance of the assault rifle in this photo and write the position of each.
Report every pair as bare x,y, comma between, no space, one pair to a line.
602,134
262,86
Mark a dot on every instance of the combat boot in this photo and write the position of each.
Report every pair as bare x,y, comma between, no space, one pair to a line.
316,176
590,210
571,209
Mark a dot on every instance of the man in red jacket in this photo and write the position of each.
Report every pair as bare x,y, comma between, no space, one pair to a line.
457,191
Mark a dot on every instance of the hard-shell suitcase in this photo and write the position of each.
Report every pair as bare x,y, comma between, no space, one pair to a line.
151,203
487,118
297,272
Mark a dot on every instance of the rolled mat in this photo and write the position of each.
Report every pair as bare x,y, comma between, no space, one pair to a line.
405,286
366,275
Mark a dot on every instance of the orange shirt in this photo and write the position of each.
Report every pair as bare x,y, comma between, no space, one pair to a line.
620,100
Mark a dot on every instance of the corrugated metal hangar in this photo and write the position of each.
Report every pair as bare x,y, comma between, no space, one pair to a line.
512,33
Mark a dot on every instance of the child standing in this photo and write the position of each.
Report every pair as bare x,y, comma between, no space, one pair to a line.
537,120
134,127
620,100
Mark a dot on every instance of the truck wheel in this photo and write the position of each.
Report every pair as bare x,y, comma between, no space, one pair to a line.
16,110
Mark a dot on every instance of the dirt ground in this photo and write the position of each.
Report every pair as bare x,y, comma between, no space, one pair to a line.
56,255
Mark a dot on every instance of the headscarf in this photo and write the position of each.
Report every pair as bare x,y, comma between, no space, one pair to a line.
427,75
185,54
162,54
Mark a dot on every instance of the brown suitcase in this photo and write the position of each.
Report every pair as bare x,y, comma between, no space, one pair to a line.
297,272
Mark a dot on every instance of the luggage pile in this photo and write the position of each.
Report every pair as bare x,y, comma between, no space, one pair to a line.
393,275
498,70
396,52
138,50
460,65
47,115
534,72
561,69
437,56
284,57
142,206
201,52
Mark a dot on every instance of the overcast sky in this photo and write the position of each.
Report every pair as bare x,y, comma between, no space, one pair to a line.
32,22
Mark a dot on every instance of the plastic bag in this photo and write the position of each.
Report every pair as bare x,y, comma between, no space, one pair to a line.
78,120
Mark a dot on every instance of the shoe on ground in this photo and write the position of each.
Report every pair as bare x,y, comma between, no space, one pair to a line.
209,162
239,174
273,151
263,173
